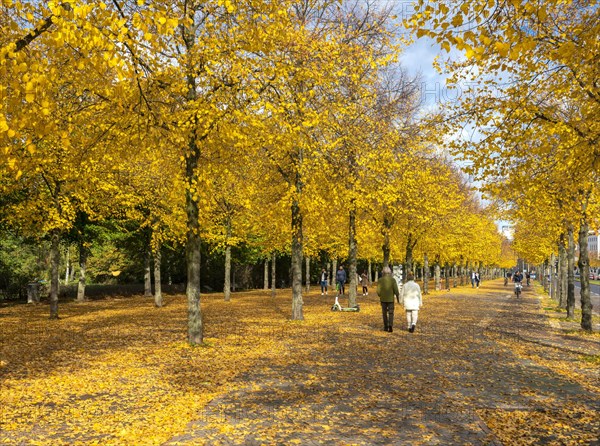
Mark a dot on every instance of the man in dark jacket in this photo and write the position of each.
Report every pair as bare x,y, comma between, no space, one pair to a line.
340,278
387,289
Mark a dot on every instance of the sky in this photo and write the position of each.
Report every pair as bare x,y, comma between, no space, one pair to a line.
418,58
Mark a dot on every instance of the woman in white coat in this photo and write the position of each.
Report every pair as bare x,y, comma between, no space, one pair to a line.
412,299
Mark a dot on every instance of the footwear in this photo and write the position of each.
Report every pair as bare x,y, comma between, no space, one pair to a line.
321,294
385,328
412,328
390,330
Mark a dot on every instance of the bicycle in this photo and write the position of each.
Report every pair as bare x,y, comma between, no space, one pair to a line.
518,289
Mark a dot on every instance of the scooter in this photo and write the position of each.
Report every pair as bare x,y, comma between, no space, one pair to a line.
337,307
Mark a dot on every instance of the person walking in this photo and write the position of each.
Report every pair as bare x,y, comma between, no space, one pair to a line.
472,279
387,289
412,300
477,280
365,285
324,277
340,278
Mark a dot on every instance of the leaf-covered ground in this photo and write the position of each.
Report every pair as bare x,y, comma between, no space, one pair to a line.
482,368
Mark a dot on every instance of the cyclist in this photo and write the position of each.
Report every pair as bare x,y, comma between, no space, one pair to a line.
506,278
517,279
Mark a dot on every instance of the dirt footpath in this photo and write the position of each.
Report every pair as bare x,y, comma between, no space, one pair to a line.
481,368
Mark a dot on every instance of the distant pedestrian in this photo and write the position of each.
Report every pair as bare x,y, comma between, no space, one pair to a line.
340,278
472,279
412,300
324,277
387,290
364,280
477,280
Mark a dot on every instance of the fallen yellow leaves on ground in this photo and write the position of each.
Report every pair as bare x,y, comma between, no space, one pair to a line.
120,372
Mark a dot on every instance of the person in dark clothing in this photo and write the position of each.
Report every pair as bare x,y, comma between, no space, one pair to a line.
518,277
387,289
340,278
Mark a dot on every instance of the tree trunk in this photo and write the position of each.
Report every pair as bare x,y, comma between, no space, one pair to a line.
410,245
148,275
562,272
545,277
584,274
193,242
54,263
227,284
83,255
297,314
454,274
447,275
233,281
352,251
369,272
307,272
68,266
570,272
437,271
386,240
273,275
553,287
266,275
333,273
192,247
426,274
158,300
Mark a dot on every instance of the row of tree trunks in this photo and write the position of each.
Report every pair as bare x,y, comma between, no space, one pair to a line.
559,281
